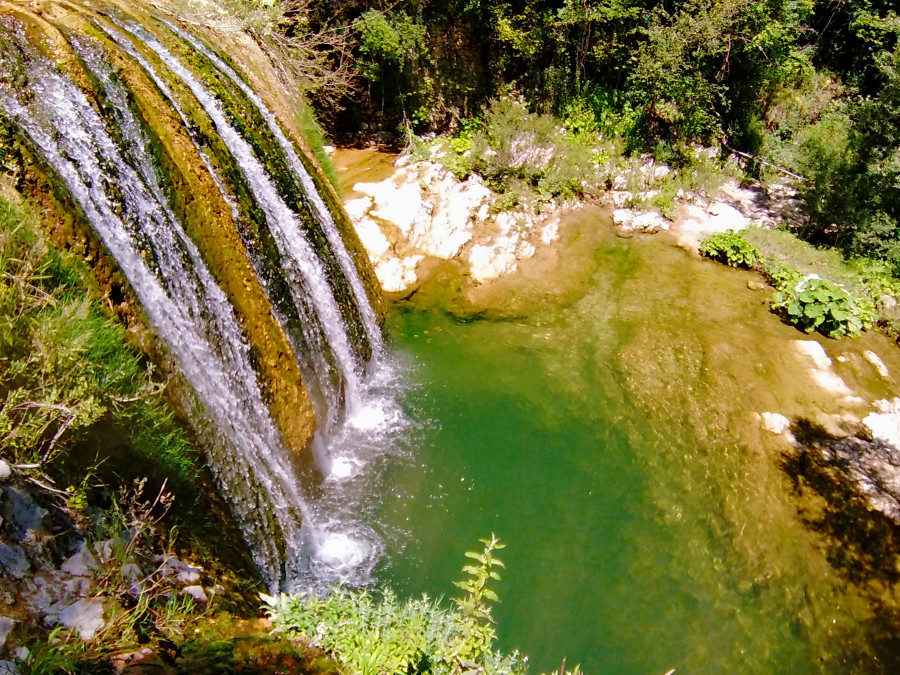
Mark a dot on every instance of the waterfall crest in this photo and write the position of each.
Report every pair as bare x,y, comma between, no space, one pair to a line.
247,297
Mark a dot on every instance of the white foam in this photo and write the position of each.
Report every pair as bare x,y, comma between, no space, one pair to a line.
343,467
339,550
370,416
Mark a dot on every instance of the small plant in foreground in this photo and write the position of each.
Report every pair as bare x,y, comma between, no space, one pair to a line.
378,633
730,248
820,305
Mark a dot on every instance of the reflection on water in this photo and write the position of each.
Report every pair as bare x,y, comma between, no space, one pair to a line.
611,444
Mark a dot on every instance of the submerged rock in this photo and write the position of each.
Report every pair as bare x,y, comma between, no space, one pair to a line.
822,371
775,422
877,363
884,425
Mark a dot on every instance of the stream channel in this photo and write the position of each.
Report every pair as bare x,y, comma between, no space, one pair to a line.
610,442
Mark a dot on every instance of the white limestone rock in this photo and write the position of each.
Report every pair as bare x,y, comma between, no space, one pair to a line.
632,220
82,564
489,262
84,616
397,274
775,423
884,425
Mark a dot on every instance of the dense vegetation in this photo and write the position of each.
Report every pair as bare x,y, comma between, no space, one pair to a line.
68,377
377,633
85,427
806,301
808,87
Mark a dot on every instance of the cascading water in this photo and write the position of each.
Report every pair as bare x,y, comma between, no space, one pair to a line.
184,303
99,149
322,214
311,279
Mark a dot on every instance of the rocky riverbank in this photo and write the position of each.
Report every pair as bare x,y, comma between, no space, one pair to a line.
92,578
420,212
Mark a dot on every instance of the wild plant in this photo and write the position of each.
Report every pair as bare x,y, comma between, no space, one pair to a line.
377,633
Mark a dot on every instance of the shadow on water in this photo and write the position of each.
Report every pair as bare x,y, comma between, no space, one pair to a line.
862,544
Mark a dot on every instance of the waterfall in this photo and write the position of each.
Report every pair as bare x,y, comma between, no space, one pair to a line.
298,254
184,304
95,140
322,214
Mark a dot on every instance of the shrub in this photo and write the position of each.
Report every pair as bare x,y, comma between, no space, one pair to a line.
377,633
730,248
524,155
781,275
820,305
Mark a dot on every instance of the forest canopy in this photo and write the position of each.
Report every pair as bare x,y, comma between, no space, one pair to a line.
809,86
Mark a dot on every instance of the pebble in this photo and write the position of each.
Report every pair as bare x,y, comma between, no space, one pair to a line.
6,626
197,593
13,559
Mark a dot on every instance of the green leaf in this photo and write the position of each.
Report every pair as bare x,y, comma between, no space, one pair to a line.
814,311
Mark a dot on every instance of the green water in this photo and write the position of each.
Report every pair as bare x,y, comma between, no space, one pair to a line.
610,444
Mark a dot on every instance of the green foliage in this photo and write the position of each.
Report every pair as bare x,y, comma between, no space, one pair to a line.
730,248
522,155
68,375
377,633
808,302
820,305
781,275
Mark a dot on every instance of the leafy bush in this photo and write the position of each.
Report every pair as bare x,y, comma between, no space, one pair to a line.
781,275
523,155
730,248
377,633
820,305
